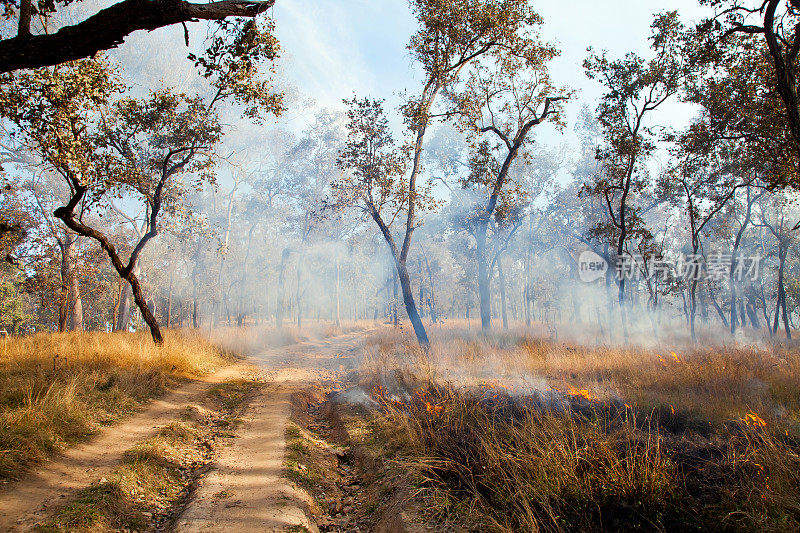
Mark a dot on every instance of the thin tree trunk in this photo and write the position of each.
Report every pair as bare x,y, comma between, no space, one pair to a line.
298,291
501,279
169,299
281,303
411,308
338,294
484,281
395,301
781,304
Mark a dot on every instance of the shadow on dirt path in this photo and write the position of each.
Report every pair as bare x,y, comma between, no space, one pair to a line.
247,491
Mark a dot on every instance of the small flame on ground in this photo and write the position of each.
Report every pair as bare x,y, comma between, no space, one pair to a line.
433,409
752,419
582,393
496,384
675,357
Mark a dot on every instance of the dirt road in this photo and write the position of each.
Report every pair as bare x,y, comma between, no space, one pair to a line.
246,491
23,503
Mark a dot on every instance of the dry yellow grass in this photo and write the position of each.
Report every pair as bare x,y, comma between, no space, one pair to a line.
714,383
517,433
56,389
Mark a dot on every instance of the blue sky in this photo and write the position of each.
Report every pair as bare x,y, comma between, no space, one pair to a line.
333,48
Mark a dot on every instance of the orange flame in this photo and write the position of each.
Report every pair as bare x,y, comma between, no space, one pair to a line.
496,384
433,408
582,393
752,419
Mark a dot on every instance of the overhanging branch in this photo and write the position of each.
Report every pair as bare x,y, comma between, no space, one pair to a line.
109,27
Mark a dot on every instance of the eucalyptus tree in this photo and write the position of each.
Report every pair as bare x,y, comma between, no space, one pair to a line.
635,88
148,150
47,193
778,213
775,24
499,105
452,35
702,184
742,215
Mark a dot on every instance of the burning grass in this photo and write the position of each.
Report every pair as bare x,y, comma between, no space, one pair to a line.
519,434
56,389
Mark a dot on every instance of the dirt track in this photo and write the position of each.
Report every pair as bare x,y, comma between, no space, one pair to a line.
25,502
245,491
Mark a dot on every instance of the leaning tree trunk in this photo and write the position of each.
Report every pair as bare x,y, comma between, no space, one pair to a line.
411,306
141,303
124,315
395,301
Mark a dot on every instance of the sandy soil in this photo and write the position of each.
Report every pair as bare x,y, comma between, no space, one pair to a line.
246,491
25,502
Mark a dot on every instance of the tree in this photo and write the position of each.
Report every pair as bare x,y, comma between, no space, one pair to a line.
776,22
751,197
705,188
635,88
731,84
452,35
104,30
47,193
778,214
105,147
504,99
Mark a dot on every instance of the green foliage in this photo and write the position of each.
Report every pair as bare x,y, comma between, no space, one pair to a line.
56,109
374,163
232,62
13,310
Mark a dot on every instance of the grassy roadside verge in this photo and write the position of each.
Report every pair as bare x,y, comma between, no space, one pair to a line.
336,455
149,489
57,389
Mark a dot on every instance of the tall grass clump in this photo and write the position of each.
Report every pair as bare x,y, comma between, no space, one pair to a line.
516,466
56,389
521,433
